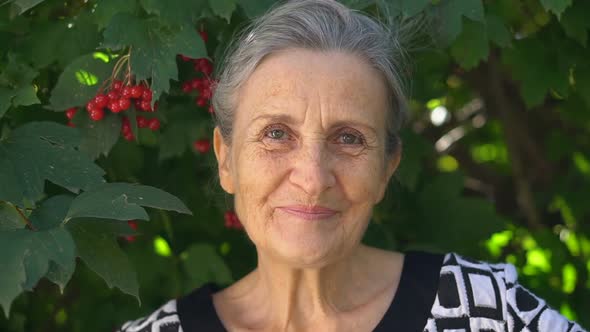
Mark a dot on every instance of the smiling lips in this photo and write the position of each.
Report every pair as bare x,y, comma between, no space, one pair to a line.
309,213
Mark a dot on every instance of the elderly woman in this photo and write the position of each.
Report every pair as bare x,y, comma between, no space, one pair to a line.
308,108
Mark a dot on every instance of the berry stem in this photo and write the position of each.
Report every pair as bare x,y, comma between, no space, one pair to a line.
25,219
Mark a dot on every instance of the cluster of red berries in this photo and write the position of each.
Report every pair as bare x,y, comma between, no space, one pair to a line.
119,99
202,145
203,85
231,220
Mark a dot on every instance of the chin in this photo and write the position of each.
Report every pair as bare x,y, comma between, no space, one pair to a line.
308,253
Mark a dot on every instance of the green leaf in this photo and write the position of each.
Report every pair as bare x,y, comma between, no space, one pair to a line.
98,137
582,78
556,6
203,264
51,213
96,245
6,96
497,31
175,12
26,256
154,49
407,8
106,9
450,16
9,217
24,5
223,8
70,91
25,96
575,22
72,37
525,59
17,74
255,8
471,46
415,149
40,151
123,201
60,275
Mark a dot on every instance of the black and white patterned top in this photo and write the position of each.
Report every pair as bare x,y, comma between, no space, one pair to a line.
437,293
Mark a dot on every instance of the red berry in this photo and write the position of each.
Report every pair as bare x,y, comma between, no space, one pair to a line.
126,92
202,145
117,85
126,129
129,136
137,103
71,124
124,104
206,93
186,87
196,84
207,68
125,121
201,61
136,91
96,114
101,100
132,224
204,35
142,122
146,105
114,106
70,112
210,109
185,58
91,106
201,102
147,95
154,124
231,220
113,95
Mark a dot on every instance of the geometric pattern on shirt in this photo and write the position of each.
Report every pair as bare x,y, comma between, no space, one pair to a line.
472,296
164,319
476,296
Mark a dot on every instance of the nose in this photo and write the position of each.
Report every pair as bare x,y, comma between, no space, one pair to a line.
312,170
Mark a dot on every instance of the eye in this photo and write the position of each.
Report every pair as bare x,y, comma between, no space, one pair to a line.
348,138
275,133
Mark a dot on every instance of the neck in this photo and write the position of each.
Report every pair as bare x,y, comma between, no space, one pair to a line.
288,298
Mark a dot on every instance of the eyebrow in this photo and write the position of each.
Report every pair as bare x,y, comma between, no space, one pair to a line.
288,119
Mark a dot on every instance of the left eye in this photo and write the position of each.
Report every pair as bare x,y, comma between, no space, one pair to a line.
348,138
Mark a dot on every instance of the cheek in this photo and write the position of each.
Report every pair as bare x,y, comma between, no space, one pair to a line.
361,179
258,174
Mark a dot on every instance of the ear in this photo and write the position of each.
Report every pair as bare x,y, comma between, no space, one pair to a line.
223,158
392,165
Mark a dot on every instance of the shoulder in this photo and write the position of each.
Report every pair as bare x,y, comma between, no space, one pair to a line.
165,318
476,294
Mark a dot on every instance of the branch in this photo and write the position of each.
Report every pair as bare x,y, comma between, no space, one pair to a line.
519,141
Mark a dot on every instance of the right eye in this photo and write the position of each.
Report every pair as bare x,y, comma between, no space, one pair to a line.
276,133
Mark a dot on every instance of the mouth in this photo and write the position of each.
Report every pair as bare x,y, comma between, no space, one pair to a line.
309,213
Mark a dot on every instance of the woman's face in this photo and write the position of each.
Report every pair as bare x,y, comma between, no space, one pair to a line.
307,161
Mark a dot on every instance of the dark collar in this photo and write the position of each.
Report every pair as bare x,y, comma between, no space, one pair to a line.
408,311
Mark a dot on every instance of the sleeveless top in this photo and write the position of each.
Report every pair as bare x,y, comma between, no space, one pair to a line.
436,293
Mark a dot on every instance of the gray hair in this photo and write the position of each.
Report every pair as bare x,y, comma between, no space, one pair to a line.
322,25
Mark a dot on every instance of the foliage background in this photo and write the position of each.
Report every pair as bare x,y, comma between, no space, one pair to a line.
496,155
